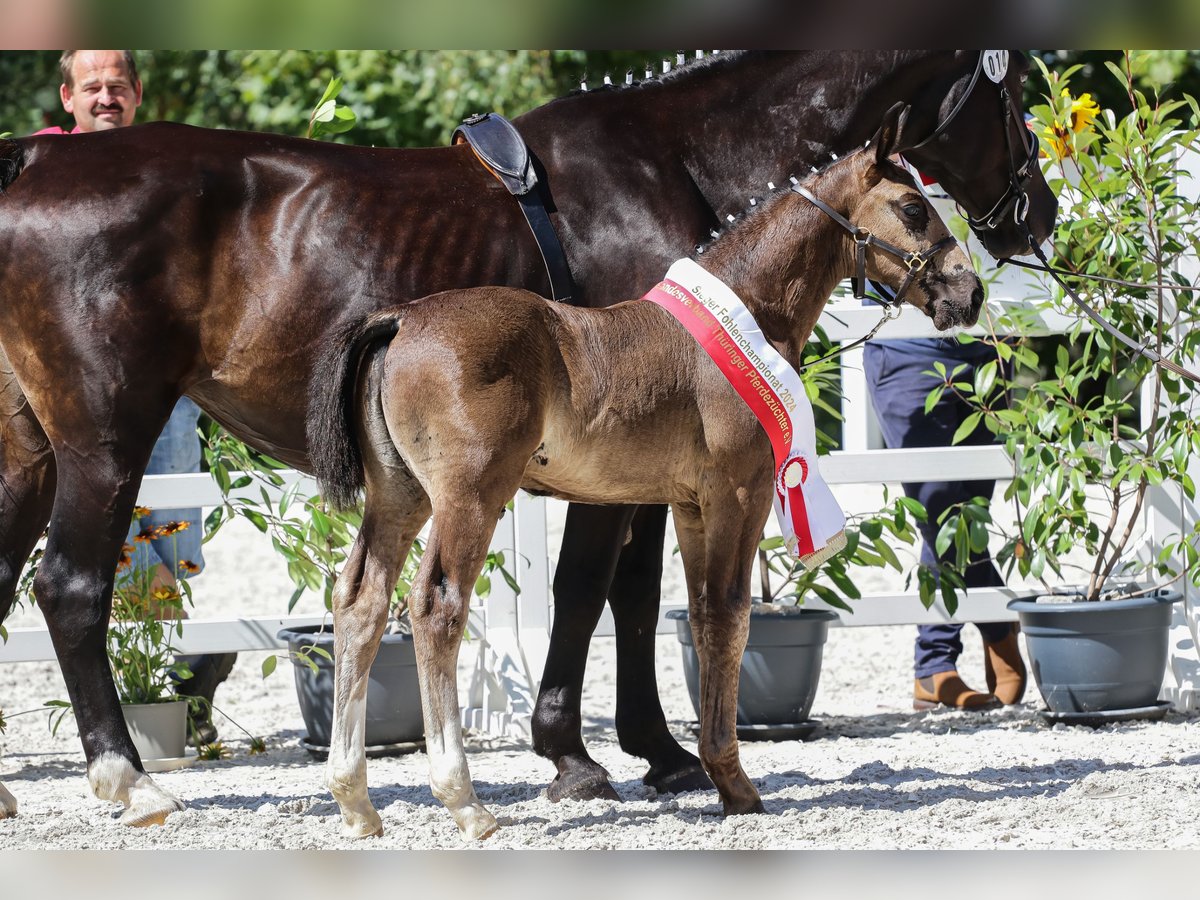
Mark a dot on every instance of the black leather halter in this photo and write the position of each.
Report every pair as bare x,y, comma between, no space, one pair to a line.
915,260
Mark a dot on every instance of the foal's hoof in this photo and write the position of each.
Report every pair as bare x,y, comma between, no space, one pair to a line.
362,826
476,823
8,803
679,781
581,786
743,807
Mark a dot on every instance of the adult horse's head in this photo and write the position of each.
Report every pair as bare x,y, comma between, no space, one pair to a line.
893,231
968,132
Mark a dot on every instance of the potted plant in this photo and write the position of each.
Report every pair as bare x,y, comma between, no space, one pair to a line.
1085,458
315,543
147,615
781,665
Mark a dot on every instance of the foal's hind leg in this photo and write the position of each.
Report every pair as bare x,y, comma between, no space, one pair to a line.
394,513
453,559
634,598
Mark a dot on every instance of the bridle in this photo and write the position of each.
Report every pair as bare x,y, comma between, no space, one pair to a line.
1015,199
914,260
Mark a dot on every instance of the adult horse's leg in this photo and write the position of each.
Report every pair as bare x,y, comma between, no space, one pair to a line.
392,517
92,508
592,540
634,599
27,476
719,610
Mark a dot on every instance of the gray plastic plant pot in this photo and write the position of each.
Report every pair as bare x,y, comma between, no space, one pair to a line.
1108,655
393,693
159,730
781,666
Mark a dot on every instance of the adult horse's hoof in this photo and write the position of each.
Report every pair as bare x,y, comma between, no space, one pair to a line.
143,815
8,803
591,785
679,781
114,778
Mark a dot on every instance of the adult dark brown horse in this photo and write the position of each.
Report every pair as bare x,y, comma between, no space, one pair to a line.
616,405
161,260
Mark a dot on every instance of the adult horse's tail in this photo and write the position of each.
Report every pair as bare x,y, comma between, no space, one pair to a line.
12,161
332,406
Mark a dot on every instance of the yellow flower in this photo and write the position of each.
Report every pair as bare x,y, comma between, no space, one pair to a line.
164,593
1083,111
173,528
1059,135
126,559
140,512
1056,137
146,535
188,566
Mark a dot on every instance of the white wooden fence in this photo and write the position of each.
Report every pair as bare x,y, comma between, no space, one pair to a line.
509,632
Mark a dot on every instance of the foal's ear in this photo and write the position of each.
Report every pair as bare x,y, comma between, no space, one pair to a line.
887,139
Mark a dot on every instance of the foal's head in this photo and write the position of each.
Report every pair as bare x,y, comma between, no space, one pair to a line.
787,255
882,202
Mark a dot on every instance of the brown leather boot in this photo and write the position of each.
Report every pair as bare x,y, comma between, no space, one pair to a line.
948,689
1004,668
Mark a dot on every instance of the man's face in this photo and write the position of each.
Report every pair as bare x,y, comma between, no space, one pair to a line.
100,95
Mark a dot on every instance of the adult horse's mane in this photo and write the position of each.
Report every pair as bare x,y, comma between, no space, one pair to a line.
690,66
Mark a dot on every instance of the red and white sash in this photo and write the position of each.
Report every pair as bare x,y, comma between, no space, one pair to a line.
809,516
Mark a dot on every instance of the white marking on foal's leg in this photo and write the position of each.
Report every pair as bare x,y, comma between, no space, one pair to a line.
450,779
346,771
8,803
114,778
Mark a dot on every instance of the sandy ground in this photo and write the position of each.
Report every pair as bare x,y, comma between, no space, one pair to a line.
877,775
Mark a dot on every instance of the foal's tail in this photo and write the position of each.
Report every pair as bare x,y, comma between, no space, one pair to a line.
332,406
12,161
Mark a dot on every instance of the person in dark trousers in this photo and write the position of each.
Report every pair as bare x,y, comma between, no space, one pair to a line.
896,377
101,90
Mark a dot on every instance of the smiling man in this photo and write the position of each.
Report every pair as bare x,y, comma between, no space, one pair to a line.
100,88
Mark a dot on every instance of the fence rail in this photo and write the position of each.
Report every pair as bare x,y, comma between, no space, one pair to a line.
510,632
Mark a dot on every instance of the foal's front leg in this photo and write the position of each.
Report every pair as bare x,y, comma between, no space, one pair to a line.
721,546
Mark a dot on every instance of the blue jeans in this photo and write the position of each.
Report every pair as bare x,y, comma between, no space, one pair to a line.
177,450
898,390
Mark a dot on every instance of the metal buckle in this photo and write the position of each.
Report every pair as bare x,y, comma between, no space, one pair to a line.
1021,210
915,262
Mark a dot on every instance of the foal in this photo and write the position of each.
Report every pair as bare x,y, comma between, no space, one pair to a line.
487,390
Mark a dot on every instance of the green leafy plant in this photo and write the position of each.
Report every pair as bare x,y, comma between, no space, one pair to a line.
784,579
147,616
329,116
1084,454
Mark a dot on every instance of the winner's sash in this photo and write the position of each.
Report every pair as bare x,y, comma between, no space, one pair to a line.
809,517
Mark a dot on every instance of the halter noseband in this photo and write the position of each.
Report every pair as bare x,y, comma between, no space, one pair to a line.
1016,196
915,260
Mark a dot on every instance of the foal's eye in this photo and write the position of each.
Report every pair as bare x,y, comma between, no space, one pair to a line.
912,210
